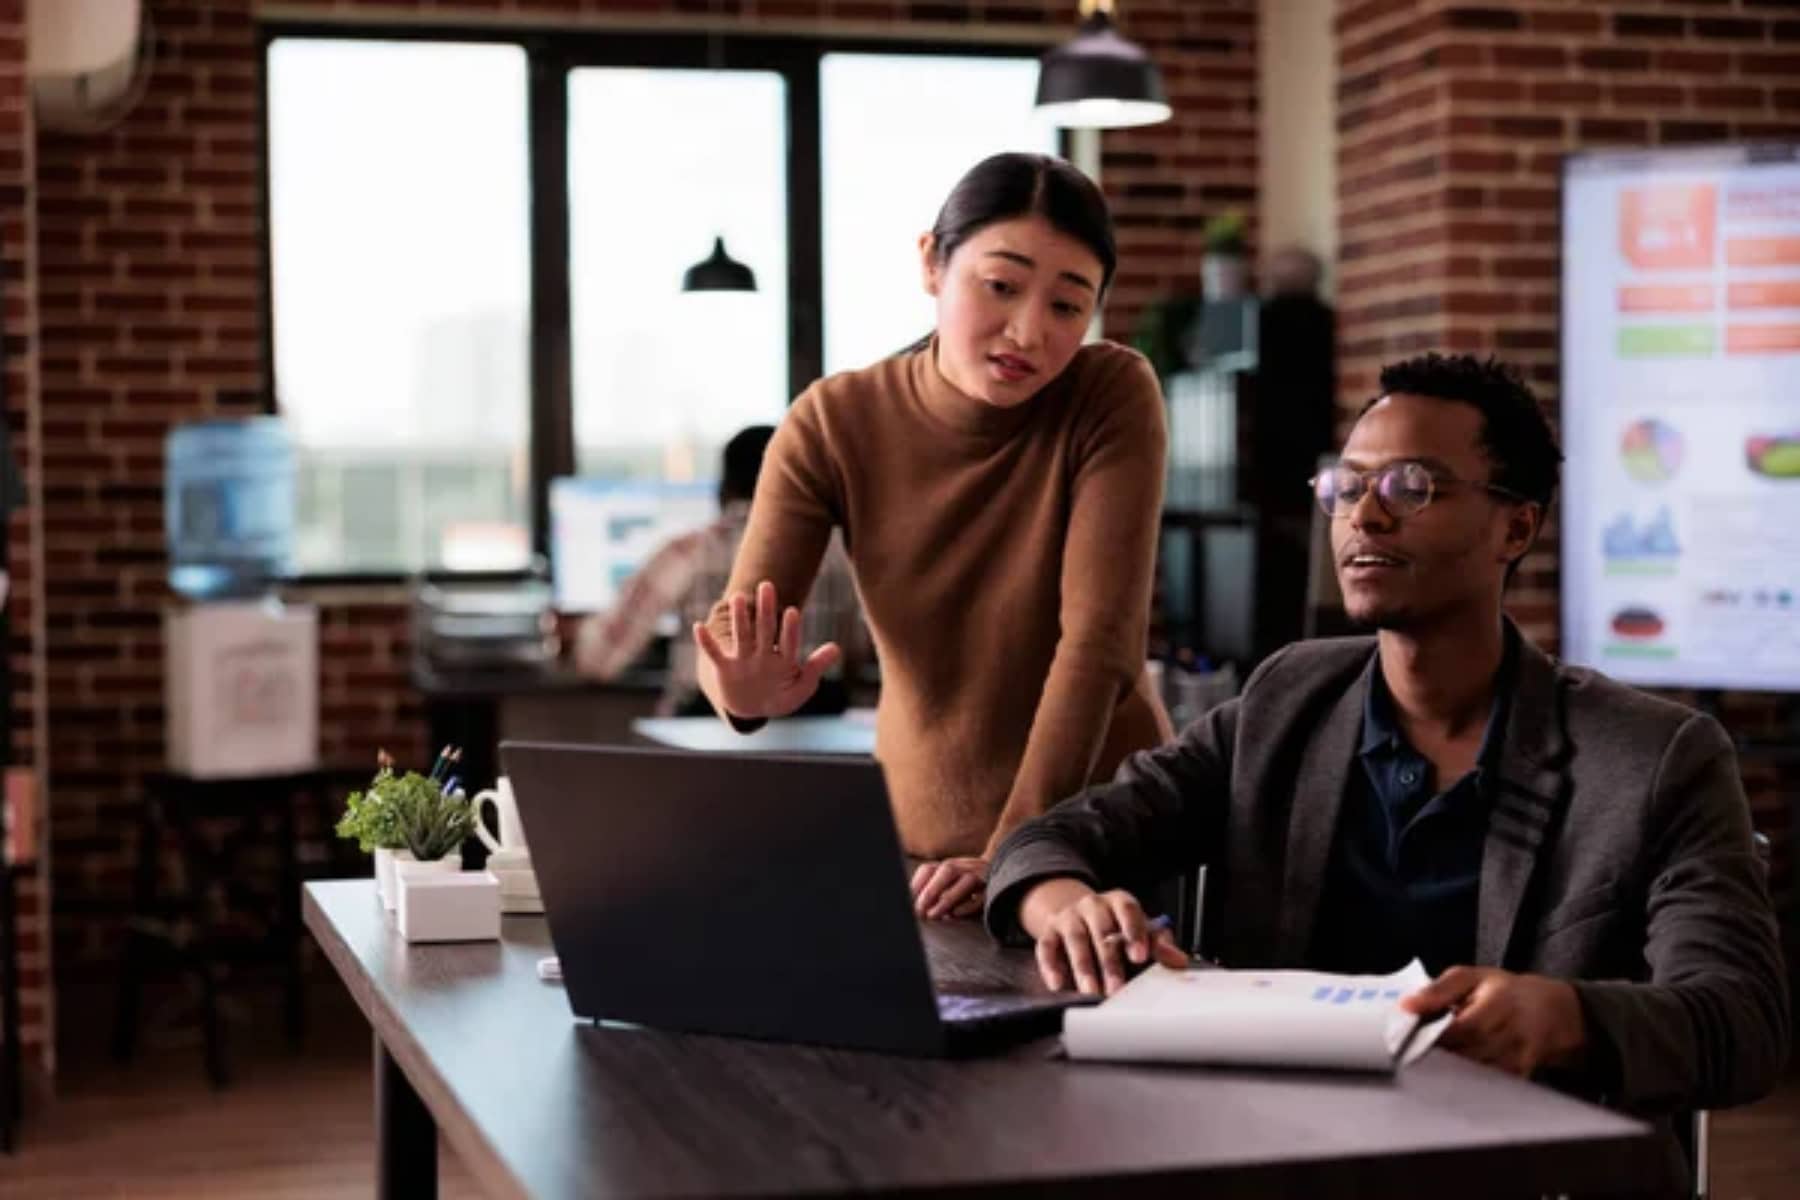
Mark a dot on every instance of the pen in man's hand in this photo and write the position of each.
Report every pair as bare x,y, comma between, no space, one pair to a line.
1154,924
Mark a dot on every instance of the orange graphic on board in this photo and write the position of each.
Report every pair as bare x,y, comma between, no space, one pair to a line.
1763,251
1777,293
1762,339
1669,227
1666,297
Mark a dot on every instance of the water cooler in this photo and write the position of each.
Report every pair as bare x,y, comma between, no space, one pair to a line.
241,687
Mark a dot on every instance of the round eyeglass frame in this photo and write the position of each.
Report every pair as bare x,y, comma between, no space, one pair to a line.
1334,506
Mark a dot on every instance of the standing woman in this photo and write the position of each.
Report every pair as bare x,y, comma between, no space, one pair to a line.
999,488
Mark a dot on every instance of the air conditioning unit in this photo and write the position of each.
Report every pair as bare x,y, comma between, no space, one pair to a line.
88,60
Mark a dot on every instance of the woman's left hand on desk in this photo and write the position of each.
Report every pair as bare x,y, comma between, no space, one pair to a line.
955,887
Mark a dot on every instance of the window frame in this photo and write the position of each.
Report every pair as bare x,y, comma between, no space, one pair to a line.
551,55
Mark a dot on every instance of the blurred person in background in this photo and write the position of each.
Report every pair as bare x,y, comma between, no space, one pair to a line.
685,576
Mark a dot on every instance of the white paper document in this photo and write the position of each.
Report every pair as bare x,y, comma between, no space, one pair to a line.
1303,1019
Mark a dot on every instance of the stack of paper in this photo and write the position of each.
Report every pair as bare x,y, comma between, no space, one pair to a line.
1304,1019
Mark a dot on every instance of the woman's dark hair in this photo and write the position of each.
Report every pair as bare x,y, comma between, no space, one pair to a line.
742,463
1514,432
1004,186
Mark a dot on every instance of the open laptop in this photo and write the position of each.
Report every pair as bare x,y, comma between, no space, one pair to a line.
751,895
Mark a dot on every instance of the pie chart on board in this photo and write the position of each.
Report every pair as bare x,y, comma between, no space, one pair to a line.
1637,623
1651,450
1776,457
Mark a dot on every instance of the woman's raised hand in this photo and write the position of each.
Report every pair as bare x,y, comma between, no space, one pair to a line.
761,674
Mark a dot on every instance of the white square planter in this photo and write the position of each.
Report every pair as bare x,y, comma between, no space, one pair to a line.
385,884
439,902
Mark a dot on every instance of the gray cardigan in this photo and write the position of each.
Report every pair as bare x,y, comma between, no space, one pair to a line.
1618,855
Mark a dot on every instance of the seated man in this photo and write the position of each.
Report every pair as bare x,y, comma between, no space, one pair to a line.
687,574
1571,858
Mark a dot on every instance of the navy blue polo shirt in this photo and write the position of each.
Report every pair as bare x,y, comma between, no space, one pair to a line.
1404,875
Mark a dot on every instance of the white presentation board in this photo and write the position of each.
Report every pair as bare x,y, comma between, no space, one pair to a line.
1681,416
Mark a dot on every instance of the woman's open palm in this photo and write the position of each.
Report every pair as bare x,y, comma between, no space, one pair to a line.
761,674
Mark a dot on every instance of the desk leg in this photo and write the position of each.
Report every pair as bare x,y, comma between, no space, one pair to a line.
405,1135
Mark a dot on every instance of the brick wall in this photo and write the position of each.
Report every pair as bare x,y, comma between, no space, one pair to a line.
149,284
1452,122
24,608
1164,181
149,277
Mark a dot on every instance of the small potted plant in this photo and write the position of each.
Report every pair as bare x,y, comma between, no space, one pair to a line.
372,819
1224,270
433,819
436,900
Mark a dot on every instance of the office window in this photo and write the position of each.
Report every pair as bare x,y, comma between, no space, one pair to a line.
399,251
898,131
477,249
660,163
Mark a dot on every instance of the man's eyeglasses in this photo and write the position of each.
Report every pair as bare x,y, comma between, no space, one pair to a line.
1401,488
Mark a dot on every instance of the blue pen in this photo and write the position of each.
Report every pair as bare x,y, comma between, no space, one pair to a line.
1155,923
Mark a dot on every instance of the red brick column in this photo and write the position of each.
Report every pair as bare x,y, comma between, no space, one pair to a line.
24,605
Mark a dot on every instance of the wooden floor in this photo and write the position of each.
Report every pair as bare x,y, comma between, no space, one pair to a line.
291,1126
300,1125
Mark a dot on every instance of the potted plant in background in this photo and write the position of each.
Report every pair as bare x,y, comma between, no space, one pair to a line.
372,818
1162,332
1224,270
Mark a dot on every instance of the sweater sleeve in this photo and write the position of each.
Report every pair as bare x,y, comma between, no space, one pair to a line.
1109,556
798,500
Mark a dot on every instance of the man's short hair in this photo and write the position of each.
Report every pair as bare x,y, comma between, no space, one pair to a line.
1515,435
742,463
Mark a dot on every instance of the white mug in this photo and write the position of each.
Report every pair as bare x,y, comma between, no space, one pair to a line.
512,833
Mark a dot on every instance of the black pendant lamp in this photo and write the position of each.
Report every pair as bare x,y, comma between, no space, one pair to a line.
719,272
1099,80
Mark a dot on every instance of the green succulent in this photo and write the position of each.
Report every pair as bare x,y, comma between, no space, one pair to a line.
432,823
407,812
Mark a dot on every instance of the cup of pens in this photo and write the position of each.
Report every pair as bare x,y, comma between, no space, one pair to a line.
444,770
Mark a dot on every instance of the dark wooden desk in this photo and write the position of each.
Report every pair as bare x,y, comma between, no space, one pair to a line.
538,1105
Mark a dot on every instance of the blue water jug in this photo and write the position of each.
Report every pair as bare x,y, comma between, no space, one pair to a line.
229,506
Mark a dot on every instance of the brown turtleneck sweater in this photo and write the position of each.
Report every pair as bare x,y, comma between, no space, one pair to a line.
1004,559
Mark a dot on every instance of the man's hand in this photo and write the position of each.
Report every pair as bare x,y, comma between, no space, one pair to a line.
1518,1023
954,887
1089,936
762,674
